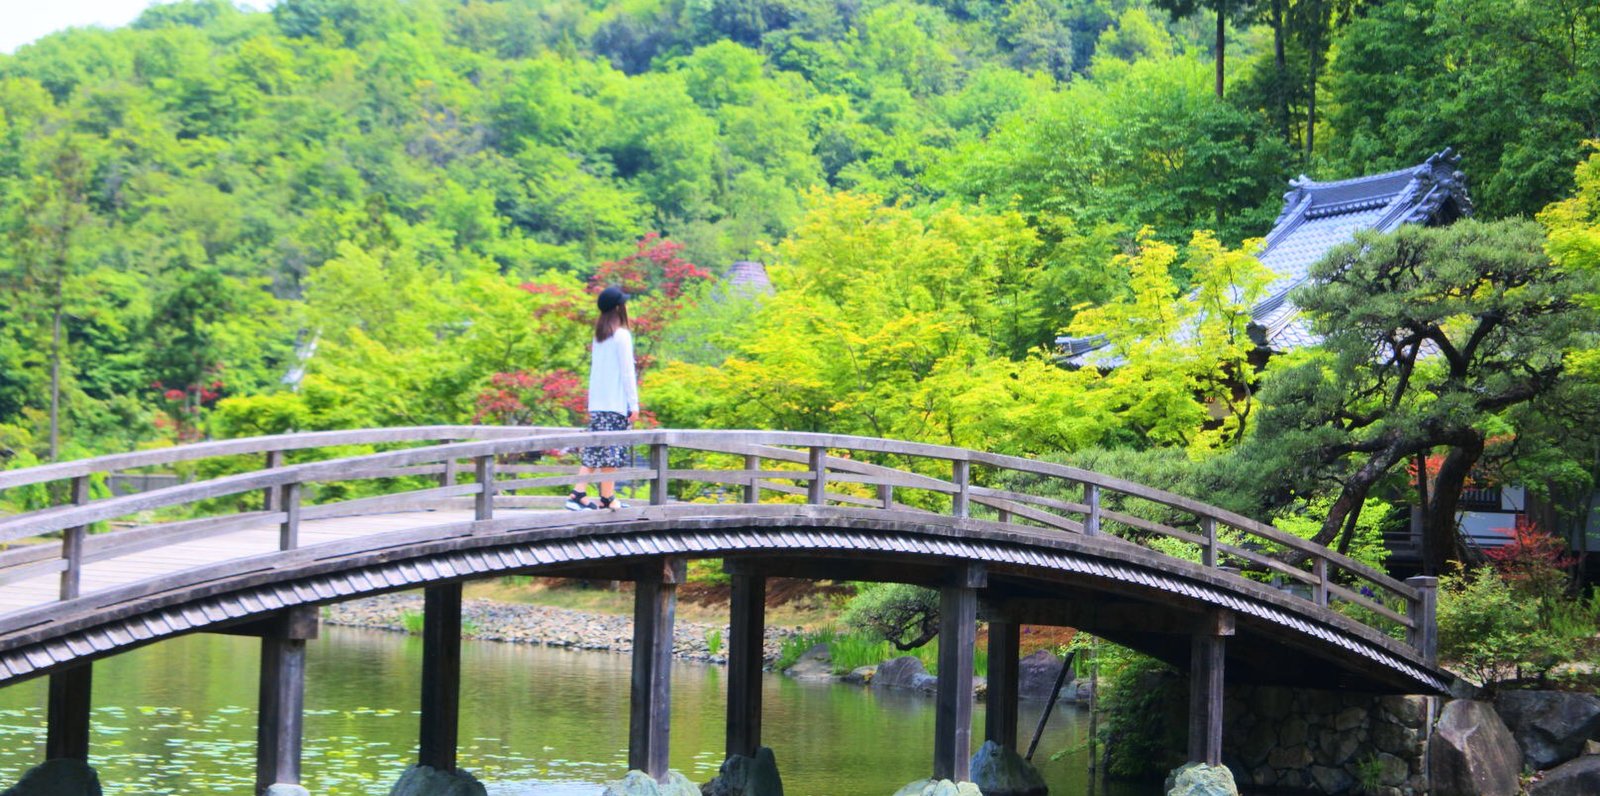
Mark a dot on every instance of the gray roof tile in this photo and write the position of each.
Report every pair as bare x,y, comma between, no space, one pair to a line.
1317,217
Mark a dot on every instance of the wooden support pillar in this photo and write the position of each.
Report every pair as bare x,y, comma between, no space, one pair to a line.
746,631
1205,687
655,604
958,634
483,501
72,540
282,697
1005,648
441,676
67,713
1424,615
269,496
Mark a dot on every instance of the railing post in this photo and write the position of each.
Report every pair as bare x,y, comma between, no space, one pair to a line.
658,480
752,465
886,495
1091,523
816,494
1209,525
72,540
289,529
961,476
448,477
1319,591
483,503
269,496
1423,613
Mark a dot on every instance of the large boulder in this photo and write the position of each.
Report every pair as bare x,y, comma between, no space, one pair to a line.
1472,753
59,777
813,664
939,787
1550,726
999,771
420,780
1199,779
904,672
746,776
638,783
1580,777
1037,673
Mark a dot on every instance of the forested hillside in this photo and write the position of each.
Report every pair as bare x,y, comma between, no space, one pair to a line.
359,212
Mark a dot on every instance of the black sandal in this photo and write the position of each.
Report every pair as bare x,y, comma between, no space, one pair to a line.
579,501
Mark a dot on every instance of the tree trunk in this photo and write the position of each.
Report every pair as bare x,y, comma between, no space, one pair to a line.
1356,489
1281,68
1311,95
1439,542
55,382
1222,42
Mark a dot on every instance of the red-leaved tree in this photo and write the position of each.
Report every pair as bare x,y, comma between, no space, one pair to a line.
1535,562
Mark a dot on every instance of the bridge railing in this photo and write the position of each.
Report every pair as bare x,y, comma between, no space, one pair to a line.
494,464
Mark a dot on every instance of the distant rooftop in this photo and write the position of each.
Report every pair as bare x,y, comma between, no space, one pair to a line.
1316,217
748,278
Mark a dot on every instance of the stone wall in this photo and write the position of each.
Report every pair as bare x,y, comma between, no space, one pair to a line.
1328,741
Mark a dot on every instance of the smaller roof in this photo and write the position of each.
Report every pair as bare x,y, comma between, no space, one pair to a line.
748,278
1316,217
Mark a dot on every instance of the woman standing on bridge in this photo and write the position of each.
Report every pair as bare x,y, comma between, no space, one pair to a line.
613,397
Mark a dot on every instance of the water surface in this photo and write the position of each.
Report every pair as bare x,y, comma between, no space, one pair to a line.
178,717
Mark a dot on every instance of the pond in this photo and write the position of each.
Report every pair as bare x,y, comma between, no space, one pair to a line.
178,717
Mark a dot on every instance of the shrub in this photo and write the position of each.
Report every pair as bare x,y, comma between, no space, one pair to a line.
903,615
714,642
1534,564
1490,631
1144,708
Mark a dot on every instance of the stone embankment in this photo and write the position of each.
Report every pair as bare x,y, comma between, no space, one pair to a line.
489,620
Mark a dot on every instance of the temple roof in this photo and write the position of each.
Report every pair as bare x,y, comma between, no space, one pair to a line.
1316,217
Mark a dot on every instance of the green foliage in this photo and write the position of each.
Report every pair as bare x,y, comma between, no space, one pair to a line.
714,642
1144,704
792,647
1366,543
1490,632
708,571
900,614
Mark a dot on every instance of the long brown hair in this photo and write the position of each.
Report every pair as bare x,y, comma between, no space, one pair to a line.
609,322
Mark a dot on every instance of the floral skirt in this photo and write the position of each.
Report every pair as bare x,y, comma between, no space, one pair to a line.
606,455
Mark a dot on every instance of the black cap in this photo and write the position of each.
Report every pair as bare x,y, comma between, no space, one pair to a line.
611,297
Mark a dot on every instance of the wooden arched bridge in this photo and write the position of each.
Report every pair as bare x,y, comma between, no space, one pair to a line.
263,530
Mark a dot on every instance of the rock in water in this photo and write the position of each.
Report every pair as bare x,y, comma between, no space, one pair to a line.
638,783
1037,673
746,776
999,771
1199,779
1579,777
1472,753
905,671
419,780
1550,726
939,787
59,777
813,664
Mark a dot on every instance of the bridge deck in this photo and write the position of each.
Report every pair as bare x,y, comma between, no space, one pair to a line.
183,556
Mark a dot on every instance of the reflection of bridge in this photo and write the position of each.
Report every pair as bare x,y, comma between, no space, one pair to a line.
252,551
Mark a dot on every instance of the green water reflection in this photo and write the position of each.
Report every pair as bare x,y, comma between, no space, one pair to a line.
179,718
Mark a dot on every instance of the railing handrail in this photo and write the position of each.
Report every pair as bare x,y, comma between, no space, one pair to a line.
485,443
60,471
